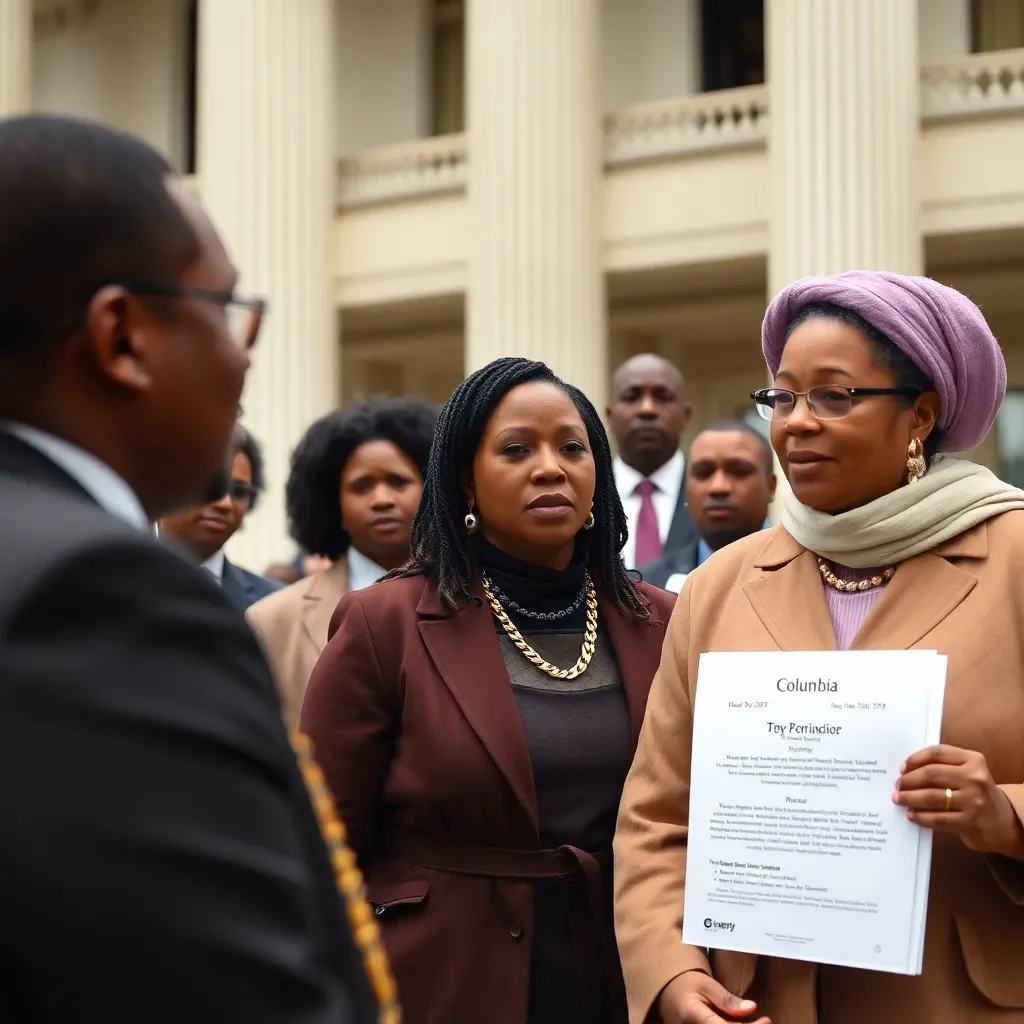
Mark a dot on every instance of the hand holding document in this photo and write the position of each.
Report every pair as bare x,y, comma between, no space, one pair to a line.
795,847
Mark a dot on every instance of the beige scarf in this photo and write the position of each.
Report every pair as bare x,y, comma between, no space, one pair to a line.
953,496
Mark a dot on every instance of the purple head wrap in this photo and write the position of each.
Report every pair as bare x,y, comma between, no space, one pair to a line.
942,332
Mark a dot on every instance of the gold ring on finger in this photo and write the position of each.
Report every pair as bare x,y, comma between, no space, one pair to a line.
949,800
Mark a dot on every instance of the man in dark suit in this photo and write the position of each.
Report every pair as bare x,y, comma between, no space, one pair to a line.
647,415
205,529
730,483
161,859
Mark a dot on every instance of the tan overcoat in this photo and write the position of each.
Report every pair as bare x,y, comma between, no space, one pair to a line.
764,593
291,626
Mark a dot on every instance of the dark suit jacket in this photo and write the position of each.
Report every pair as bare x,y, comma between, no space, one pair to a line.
680,551
414,721
160,859
245,588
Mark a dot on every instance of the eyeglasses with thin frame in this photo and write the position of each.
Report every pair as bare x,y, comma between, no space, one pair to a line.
826,402
244,315
242,493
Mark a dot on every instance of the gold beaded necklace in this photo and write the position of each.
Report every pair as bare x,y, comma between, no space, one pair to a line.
349,880
589,636
850,586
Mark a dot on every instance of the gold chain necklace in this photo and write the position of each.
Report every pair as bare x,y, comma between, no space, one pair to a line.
349,879
589,636
849,586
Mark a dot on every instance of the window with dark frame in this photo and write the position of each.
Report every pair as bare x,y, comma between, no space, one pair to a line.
1010,438
732,44
191,85
448,67
996,25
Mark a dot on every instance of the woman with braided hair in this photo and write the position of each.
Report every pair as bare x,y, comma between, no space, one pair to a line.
476,713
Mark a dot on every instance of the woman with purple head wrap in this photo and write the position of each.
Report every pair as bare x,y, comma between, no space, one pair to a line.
885,543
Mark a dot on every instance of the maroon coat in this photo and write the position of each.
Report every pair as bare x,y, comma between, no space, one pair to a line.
414,721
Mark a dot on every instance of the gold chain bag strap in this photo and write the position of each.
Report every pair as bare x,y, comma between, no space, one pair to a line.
350,884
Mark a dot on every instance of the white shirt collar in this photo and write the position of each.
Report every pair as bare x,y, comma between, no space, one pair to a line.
362,571
214,565
110,491
667,478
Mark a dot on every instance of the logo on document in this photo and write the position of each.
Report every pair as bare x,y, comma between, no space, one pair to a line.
719,926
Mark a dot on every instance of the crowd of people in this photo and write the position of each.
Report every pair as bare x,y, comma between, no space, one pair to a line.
438,768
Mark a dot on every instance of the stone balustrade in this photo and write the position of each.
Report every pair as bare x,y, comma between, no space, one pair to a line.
971,87
710,120
407,170
977,85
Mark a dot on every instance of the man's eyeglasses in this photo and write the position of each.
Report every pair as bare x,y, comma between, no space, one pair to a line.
242,493
244,315
826,402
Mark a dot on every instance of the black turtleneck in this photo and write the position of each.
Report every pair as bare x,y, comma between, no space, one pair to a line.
537,587
577,733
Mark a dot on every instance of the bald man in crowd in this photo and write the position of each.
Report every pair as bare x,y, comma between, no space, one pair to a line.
647,415
730,483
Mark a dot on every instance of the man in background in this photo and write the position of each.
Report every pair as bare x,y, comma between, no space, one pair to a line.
647,415
730,483
205,529
161,860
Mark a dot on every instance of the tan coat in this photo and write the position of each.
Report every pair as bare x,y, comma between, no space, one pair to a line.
965,599
291,625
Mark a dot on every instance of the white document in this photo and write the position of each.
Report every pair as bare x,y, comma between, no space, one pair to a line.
795,847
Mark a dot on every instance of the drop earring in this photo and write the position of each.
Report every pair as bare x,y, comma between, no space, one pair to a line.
588,523
471,521
916,466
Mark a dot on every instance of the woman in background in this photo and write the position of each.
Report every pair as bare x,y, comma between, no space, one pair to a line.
476,716
883,546
354,487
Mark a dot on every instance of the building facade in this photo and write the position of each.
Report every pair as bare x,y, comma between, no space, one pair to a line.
419,186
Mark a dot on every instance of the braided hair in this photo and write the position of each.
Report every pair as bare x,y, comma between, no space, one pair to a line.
440,545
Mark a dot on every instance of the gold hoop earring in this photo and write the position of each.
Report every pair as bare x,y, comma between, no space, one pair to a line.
588,523
471,521
916,466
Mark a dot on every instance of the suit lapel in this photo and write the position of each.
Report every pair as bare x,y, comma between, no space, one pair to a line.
321,599
238,586
682,534
465,651
924,591
637,649
788,598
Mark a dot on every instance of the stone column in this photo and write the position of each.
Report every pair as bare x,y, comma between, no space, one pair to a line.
536,282
843,81
265,156
15,57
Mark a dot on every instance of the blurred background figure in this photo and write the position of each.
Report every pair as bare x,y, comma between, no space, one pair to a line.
205,529
730,483
355,484
301,566
647,415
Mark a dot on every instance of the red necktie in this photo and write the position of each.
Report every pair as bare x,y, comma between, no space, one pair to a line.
648,538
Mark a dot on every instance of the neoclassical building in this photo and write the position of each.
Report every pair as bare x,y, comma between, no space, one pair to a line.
421,185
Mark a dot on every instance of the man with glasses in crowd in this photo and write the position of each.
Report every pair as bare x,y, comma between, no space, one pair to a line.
205,529
162,860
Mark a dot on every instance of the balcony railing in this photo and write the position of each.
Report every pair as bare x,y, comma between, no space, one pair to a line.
983,84
410,169
710,120
975,86
717,120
